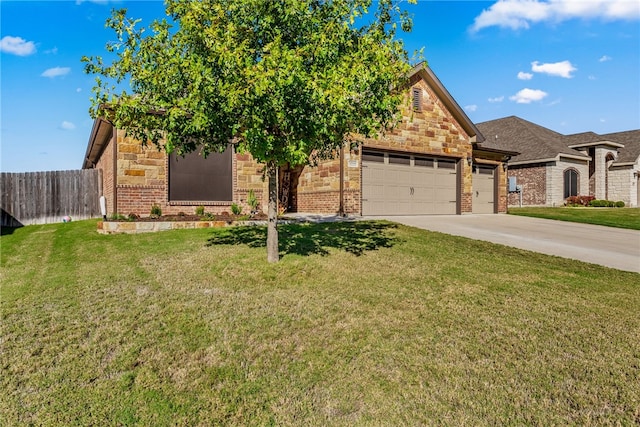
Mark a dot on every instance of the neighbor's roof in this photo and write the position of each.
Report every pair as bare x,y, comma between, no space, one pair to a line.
533,142
631,150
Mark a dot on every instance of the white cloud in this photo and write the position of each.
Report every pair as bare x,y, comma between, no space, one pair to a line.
605,58
471,107
53,51
17,46
524,76
496,99
67,125
527,96
79,89
561,69
592,77
56,72
520,14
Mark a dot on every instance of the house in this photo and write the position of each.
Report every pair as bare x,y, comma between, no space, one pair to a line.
431,163
551,166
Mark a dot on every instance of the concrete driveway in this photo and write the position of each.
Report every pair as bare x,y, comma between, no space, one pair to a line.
612,247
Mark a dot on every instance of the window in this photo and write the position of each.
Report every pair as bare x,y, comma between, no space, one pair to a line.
373,156
193,178
420,161
446,164
399,159
570,183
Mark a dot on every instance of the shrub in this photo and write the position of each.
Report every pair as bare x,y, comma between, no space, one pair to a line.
604,204
252,201
133,216
116,216
200,210
619,204
182,213
579,200
236,209
156,211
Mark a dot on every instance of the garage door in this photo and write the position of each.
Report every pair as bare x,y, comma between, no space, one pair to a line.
403,184
483,189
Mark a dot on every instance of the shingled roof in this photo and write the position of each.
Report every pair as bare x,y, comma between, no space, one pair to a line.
631,150
534,143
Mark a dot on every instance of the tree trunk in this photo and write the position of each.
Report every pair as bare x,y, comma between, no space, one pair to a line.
272,212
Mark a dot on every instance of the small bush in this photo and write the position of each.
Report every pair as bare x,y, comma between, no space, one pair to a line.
604,204
579,200
619,204
236,209
182,213
200,210
252,201
117,217
133,216
156,211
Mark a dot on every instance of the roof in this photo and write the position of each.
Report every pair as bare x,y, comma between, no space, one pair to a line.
98,140
533,142
423,70
631,150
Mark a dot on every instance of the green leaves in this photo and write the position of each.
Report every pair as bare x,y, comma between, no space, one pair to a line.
282,78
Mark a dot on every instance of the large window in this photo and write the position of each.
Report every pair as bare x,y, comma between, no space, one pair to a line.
195,179
570,183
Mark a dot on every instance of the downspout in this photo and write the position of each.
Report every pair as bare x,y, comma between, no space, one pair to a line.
341,206
115,169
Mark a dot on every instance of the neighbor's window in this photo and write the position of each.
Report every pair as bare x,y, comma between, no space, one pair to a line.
570,183
196,179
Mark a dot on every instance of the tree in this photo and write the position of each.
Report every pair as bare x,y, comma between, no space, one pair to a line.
281,79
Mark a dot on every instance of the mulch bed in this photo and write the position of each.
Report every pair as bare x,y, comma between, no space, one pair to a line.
178,218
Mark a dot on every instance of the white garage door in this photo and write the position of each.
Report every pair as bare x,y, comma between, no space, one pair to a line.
483,189
403,184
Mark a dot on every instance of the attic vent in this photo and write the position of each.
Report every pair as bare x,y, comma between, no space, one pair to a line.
416,100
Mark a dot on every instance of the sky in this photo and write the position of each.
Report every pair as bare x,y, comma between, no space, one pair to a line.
569,65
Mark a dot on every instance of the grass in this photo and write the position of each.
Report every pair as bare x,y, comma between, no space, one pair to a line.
611,217
359,324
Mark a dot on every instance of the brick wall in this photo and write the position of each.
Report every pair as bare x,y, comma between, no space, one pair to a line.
142,181
106,163
532,179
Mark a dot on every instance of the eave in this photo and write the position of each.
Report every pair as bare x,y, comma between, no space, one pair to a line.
591,144
98,140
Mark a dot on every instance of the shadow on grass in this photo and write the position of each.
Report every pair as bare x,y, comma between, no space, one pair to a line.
313,238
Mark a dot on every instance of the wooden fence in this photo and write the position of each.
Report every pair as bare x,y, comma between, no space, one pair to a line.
46,197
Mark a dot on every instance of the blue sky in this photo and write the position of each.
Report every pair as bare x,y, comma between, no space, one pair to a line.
569,65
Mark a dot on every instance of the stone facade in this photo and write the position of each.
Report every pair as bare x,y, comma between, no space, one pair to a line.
623,185
555,180
430,130
137,176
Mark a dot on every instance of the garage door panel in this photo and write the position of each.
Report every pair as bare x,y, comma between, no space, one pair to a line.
483,190
417,188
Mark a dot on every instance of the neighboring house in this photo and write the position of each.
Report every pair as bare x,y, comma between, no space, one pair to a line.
431,163
552,166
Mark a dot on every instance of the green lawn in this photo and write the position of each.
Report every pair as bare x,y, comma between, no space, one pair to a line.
363,323
611,217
